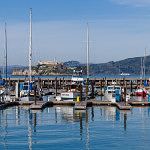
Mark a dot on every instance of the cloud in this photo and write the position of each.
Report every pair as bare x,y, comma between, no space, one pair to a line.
135,3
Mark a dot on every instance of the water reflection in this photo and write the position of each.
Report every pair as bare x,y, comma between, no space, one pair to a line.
54,118
30,130
5,126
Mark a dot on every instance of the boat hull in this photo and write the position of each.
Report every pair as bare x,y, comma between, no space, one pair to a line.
69,96
141,93
109,97
29,98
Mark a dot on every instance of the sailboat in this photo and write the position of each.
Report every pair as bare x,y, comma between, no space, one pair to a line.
141,91
77,80
27,92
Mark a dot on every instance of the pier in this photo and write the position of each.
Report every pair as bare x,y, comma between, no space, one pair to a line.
48,83
77,105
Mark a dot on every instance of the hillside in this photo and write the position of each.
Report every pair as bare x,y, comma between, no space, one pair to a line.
130,65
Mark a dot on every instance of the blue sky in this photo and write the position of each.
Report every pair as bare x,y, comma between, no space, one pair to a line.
118,29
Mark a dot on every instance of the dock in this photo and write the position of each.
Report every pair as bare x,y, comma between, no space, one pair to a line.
123,106
80,105
77,105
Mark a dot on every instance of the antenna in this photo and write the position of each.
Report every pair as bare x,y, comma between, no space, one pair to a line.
87,53
30,46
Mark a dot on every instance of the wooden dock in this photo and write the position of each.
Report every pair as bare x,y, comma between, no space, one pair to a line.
123,106
8,104
77,105
134,102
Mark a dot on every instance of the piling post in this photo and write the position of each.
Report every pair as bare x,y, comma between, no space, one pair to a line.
60,83
19,88
63,82
56,86
101,87
35,95
13,85
41,86
105,81
86,92
80,92
38,82
92,84
9,82
48,85
125,91
123,81
119,81
70,87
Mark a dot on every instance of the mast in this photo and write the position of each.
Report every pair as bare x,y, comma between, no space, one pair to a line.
5,56
30,46
141,76
4,63
144,63
6,51
87,53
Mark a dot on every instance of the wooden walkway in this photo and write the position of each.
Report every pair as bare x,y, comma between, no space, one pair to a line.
77,105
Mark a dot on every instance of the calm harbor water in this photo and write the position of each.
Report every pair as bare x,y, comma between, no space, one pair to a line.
66,128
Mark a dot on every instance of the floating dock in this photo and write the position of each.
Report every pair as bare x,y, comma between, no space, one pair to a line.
80,105
77,105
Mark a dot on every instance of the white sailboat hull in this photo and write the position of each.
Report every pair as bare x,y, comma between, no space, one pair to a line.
109,97
28,98
69,96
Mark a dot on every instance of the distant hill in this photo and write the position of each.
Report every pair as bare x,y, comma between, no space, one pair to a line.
129,65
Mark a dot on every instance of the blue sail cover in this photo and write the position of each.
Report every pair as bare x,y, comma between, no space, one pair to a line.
3,82
145,84
30,87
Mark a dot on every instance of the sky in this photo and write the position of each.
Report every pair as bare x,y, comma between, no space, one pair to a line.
118,29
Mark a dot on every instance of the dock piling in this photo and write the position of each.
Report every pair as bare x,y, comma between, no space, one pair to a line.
80,92
35,95
56,86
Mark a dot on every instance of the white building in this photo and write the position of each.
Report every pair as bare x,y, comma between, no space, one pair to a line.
47,63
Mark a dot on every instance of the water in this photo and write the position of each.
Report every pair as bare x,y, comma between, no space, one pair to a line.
66,128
